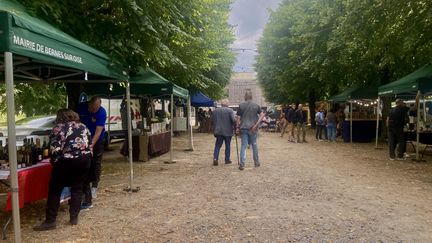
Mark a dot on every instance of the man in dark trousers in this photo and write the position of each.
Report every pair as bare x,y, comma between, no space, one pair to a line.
301,119
396,122
94,117
223,123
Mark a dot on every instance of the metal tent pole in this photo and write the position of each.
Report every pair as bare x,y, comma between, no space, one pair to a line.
351,121
189,126
377,123
129,120
418,131
172,128
12,144
109,120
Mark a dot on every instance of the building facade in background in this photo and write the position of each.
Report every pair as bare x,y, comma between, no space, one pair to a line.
242,82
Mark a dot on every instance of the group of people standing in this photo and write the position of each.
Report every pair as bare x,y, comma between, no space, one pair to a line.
328,123
76,146
294,117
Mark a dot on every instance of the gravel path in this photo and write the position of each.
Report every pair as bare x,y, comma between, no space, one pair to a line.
302,192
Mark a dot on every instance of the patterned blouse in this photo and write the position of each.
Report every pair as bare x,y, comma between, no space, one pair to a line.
69,140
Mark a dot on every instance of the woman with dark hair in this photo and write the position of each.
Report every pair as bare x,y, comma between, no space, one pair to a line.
70,156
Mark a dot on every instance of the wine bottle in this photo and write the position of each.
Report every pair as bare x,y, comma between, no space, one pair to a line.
33,152
1,151
6,151
22,151
28,153
39,155
45,148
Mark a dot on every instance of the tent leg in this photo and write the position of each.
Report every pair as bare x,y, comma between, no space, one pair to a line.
171,160
377,123
129,120
109,121
351,122
417,158
189,126
12,144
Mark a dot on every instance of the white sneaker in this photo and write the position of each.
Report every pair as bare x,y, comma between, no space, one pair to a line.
94,192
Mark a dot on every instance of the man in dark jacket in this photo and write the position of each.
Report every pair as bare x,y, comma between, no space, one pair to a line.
223,120
396,122
301,119
291,122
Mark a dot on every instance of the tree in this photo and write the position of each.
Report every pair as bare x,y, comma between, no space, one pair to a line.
187,41
317,48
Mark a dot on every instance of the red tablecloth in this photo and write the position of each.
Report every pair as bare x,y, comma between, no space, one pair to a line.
32,183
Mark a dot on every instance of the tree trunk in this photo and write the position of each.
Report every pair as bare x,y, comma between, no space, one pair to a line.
312,107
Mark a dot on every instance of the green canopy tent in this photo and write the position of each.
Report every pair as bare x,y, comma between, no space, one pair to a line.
148,83
418,82
33,50
355,93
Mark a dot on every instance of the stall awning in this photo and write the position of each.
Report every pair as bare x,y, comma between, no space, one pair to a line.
410,84
42,52
356,93
201,100
146,82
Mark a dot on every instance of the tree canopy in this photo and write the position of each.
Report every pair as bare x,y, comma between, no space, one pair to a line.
312,49
186,41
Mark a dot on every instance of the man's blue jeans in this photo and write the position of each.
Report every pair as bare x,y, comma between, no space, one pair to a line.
331,130
248,137
219,141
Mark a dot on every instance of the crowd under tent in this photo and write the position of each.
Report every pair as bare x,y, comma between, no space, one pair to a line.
418,82
361,123
32,50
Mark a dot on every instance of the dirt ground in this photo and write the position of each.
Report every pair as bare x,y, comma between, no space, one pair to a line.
314,191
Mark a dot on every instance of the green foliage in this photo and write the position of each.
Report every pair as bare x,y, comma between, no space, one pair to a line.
35,99
317,48
187,41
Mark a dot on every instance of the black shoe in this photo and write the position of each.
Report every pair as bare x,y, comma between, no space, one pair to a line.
73,220
215,162
257,165
45,226
241,167
228,162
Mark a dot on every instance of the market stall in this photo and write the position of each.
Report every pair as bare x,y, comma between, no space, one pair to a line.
32,50
418,83
360,112
148,83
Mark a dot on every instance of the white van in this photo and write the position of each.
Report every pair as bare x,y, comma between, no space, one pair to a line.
113,124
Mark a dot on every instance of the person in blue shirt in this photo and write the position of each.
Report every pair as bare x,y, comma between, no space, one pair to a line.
93,116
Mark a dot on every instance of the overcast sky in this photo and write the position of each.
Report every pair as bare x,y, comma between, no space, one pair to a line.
249,18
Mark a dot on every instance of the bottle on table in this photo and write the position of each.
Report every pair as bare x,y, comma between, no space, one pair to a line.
21,152
39,152
1,151
33,152
45,148
28,154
